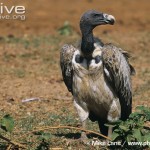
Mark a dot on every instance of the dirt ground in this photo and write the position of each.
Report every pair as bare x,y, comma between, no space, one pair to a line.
29,51
46,16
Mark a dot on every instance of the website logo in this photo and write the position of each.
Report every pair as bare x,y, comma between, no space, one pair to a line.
12,12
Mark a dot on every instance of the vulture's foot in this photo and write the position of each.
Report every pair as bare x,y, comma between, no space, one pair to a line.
84,139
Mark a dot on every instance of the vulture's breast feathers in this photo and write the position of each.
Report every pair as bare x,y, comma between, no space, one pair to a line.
88,66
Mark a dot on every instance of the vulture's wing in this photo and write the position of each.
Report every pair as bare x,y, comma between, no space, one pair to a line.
66,55
118,72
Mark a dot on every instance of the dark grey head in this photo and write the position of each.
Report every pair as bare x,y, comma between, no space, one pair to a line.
88,22
93,18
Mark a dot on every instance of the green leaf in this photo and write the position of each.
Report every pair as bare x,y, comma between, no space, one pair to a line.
7,123
125,128
129,138
115,135
147,116
145,111
136,115
109,125
137,135
45,136
66,29
147,137
117,130
141,107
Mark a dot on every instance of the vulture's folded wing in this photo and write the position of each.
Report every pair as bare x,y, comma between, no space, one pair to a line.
66,55
116,63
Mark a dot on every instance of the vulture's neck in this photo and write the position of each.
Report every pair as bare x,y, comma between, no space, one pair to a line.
87,44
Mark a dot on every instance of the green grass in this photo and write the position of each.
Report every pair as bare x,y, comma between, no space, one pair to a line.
46,139
50,138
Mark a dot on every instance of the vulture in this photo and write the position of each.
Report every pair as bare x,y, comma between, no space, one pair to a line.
98,75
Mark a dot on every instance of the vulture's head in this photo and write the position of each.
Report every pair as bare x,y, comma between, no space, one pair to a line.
92,18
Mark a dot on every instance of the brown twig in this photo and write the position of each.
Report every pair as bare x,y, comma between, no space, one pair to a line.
9,147
56,148
67,127
12,142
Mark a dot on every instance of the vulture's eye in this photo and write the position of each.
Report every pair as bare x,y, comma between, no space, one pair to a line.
97,59
96,15
78,58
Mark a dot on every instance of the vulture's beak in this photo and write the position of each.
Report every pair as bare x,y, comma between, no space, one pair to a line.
109,19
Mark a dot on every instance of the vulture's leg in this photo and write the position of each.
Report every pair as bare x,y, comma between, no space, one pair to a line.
113,114
107,131
110,130
103,128
83,115
83,134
